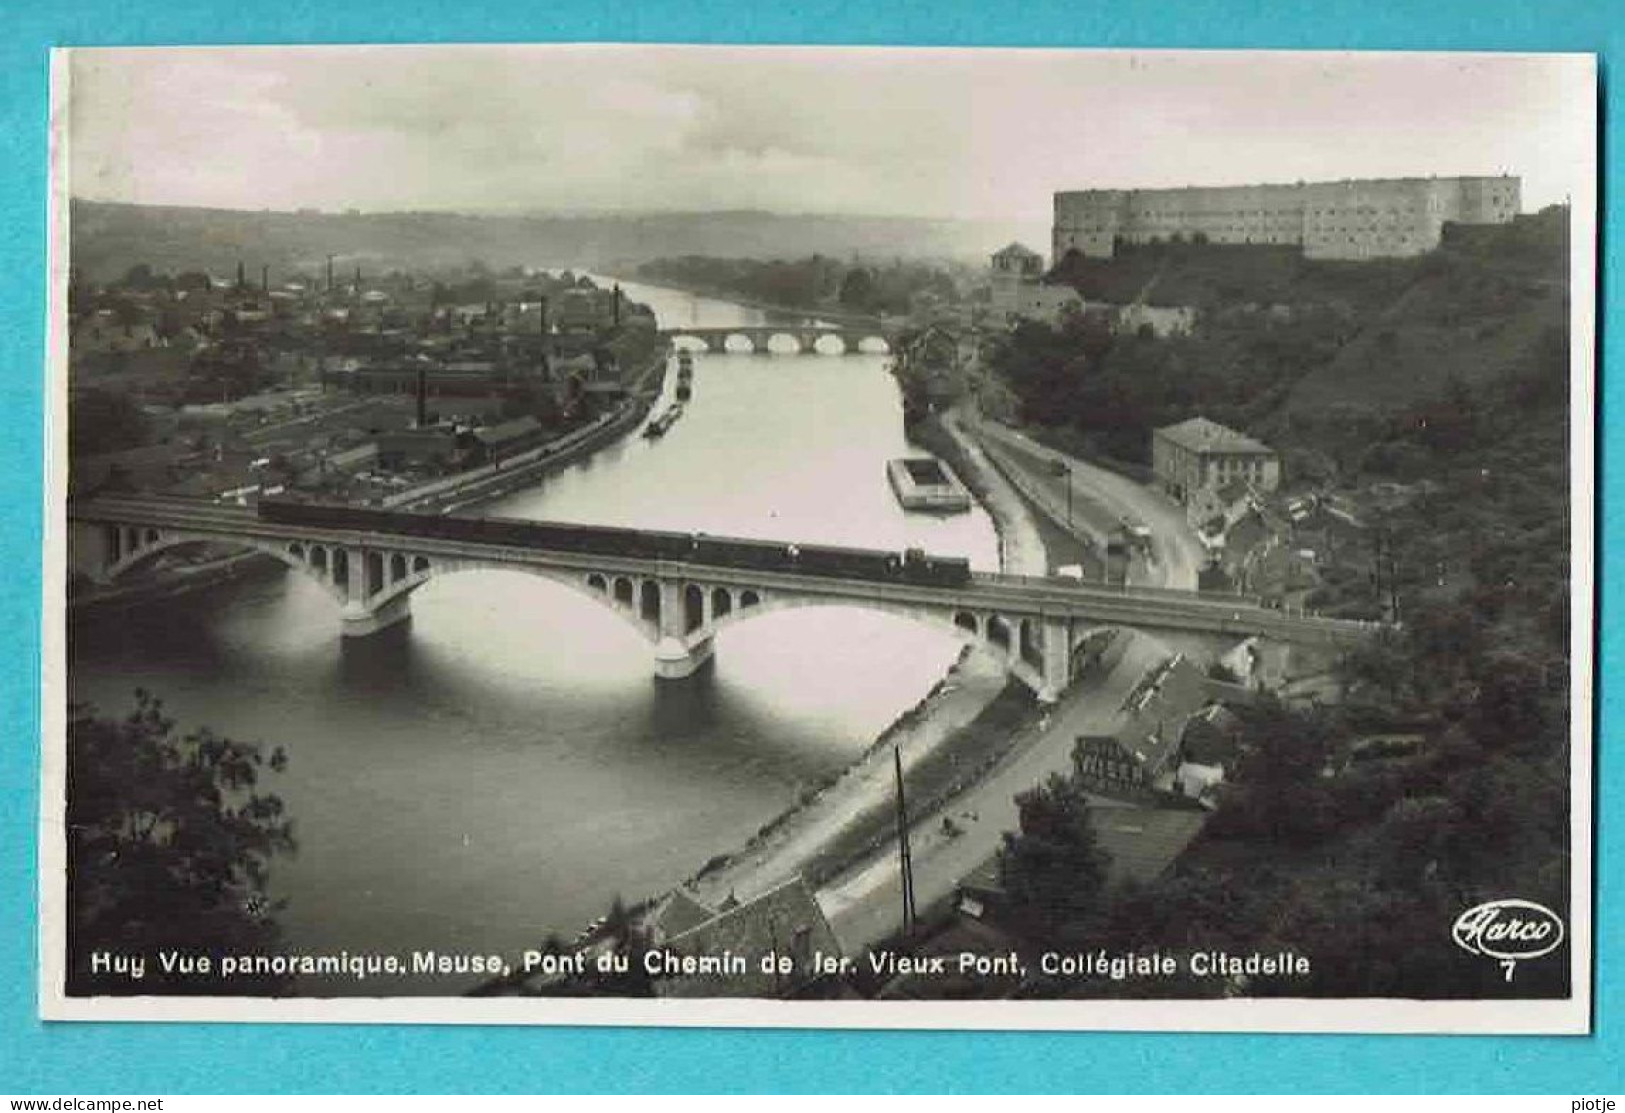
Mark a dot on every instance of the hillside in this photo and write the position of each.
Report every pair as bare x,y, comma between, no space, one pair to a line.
1282,342
108,239
1487,304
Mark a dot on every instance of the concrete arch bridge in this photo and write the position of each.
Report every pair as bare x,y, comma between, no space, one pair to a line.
1034,627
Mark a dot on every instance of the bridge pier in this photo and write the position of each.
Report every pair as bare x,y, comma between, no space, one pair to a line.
807,343
358,620
675,660
851,345
1057,654
717,344
92,551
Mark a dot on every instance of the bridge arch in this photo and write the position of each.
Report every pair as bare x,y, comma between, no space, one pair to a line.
693,608
156,543
586,586
722,602
942,621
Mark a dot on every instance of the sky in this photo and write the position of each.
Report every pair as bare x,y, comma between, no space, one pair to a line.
973,134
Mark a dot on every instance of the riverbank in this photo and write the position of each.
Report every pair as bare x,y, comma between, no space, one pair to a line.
480,485
171,582
967,725
1021,545
449,493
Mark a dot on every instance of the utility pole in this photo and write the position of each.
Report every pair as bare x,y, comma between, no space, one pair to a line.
1066,477
905,859
547,343
1385,573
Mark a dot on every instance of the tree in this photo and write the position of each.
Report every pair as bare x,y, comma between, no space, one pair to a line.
104,421
1509,712
169,849
139,277
857,289
1055,866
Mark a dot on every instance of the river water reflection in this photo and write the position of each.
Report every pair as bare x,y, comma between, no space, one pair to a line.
506,764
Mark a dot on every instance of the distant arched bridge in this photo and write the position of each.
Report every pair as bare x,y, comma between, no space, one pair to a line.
1033,626
806,337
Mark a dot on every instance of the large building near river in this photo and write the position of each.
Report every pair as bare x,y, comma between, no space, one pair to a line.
1362,218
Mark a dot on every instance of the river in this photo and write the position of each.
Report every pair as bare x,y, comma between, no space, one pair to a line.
505,765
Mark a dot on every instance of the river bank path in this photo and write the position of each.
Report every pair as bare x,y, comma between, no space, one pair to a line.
1100,499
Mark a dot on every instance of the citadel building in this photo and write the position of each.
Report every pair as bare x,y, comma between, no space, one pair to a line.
1354,219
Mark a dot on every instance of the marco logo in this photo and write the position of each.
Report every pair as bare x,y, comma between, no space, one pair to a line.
1509,931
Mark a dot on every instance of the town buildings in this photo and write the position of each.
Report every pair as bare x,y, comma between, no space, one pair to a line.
215,388
1141,754
1016,289
1017,292
1353,219
724,952
1195,459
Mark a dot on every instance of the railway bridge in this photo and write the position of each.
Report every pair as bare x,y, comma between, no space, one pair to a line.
806,337
1036,627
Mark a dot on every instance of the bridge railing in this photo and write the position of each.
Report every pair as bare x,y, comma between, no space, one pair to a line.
1254,606
1013,578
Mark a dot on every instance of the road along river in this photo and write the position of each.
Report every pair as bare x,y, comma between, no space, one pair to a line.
505,766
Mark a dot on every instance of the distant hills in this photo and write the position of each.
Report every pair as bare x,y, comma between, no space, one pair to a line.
108,239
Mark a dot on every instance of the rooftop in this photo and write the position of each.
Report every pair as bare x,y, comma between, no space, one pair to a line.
786,921
1016,251
1143,841
1347,183
679,913
1198,434
508,431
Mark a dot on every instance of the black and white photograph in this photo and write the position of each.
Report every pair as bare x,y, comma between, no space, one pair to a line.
820,536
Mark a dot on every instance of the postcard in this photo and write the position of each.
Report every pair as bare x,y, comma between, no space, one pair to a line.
826,537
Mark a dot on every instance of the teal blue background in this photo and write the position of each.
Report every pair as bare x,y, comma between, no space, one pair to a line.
162,1058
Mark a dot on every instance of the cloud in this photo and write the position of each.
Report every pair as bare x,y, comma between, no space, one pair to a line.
932,132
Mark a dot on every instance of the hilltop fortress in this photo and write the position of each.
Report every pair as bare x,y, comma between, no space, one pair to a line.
1354,219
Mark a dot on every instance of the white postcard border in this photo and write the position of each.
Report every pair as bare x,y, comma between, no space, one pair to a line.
1571,1016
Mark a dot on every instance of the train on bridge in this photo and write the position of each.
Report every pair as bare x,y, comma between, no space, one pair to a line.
912,566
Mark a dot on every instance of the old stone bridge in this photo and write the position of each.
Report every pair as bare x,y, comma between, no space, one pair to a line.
805,336
1035,627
